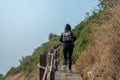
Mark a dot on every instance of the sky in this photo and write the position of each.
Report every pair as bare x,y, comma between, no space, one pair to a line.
26,24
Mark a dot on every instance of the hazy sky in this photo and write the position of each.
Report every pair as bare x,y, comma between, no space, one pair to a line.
26,24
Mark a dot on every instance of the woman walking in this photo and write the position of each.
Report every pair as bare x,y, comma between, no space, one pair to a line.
67,38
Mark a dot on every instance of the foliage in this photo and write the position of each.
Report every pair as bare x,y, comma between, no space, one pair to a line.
53,37
84,31
29,63
108,3
102,54
1,77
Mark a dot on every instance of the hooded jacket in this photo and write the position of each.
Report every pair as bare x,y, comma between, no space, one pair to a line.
69,43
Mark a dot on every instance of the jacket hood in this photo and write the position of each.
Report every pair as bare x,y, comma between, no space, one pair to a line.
67,27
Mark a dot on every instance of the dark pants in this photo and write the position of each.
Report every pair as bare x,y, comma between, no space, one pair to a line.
67,53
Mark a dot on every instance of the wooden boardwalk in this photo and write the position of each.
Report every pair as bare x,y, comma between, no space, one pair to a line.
60,75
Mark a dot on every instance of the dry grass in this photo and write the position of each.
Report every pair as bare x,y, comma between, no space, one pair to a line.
103,54
20,76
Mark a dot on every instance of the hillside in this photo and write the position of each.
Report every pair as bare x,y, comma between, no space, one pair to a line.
28,69
1,77
97,47
103,53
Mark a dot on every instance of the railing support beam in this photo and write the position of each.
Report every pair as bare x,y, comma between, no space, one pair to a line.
42,63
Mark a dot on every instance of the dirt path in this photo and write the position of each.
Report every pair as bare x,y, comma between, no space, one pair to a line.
60,75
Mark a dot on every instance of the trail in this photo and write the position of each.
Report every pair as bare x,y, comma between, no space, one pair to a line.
60,75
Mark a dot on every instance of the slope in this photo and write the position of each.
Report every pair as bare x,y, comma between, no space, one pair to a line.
103,53
97,46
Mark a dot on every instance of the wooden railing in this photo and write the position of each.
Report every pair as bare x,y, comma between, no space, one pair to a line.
48,64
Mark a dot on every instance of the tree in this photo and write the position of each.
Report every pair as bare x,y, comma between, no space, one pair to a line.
53,37
1,77
108,3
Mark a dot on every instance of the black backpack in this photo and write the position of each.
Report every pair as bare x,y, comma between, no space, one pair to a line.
67,36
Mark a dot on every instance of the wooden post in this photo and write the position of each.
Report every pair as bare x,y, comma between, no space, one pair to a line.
56,56
90,75
56,62
52,75
42,63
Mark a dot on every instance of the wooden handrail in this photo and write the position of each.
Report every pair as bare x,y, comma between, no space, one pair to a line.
47,69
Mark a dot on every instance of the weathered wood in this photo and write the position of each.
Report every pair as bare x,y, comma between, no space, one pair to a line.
56,62
53,63
75,75
90,75
43,64
52,75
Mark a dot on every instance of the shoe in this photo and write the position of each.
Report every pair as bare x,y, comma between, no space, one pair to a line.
70,71
64,68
